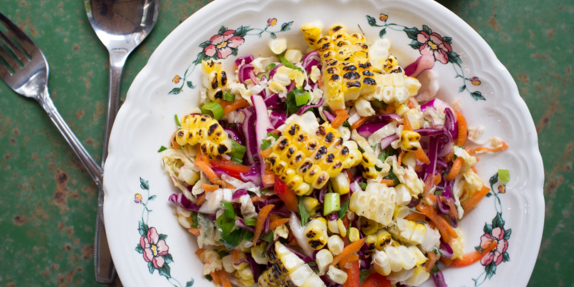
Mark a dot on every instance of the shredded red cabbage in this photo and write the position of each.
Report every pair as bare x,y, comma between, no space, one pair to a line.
277,118
388,117
248,59
438,279
261,125
248,128
432,155
234,134
272,72
387,141
219,171
446,250
450,122
423,63
429,132
306,107
414,202
241,224
253,78
428,104
180,200
332,217
369,128
311,59
252,175
239,193
330,117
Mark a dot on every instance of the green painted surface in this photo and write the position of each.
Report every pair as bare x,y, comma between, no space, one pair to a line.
48,202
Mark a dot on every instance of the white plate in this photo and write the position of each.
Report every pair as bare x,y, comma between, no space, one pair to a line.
145,122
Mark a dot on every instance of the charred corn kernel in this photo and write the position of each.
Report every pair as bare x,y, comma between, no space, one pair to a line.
216,79
369,160
377,203
311,204
381,263
353,234
314,281
371,242
269,279
287,269
228,264
410,141
323,258
333,227
206,131
402,109
337,275
312,32
278,46
308,159
383,239
342,228
340,183
369,226
316,234
335,244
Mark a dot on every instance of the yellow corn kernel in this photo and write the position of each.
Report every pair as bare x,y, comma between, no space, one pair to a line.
316,234
401,109
410,141
369,226
342,229
311,204
383,239
353,234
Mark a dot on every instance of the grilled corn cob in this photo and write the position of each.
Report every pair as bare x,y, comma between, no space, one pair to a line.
203,130
377,203
304,160
215,79
369,161
411,231
243,272
311,204
379,53
283,77
316,234
395,87
287,270
397,258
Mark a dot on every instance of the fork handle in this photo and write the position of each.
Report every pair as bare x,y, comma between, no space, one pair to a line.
91,166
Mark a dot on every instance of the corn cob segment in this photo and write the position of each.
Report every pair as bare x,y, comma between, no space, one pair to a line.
203,130
215,79
287,270
396,259
316,234
243,272
411,231
308,159
395,87
377,203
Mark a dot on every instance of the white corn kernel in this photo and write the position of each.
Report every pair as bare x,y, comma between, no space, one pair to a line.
337,275
335,244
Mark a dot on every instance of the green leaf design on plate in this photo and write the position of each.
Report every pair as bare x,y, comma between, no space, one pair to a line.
139,249
174,91
222,30
165,270
415,44
189,283
190,85
150,267
272,35
372,21
144,184
286,26
412,33
498,221
487,228
461,89
162,236
382,33
447,40
454,58
168,258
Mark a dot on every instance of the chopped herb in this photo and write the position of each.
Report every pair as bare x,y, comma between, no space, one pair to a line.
194,219
288,64
270,67
346,124
268,237
162,148
377,104
293,104
389,151
393,176
222,253
437,251
303,212
311,264
363,185
237,152
434,269
264,191
438,192
250,221
208,277
228,210
266,144
177,121
226,225
227,96
344,208
247,235
364,273
274,135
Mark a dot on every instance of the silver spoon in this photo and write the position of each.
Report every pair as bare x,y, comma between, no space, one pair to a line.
121,25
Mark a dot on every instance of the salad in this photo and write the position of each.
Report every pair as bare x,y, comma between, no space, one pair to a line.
337,167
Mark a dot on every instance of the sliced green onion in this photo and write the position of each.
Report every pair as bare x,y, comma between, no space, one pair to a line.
237,152
270,67
504,175
213,109
263,74
377,104
177,121
227,96
250,221
302,98
288,64
332,203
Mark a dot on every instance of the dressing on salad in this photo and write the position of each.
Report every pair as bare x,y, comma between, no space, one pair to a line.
320,169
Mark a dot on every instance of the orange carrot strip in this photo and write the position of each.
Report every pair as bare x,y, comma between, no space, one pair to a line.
261,217
432,260
265,153
209,187
407,124
215,278
200,200
401,155
444,227
422,156
274,217
504,146
360,122
223,278
455,168
473,201
341,112
340,119
269,177
388,182
234,255
473,256
200,155
205,168
276,223
320,82
199,252
349,175
462,129
228,107
174,143
437,179
449,157
348,250
349,259
193,231
415,217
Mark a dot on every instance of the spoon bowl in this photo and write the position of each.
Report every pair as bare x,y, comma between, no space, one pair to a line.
121,25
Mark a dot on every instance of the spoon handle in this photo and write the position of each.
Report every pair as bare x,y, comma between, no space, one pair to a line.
105,271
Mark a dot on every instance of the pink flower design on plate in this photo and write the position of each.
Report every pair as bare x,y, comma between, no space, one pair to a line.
495,255
154,248
434,45
222,44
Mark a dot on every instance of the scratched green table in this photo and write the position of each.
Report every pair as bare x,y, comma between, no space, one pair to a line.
48,202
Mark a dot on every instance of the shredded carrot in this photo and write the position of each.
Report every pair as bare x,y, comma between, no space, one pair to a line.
265,153
473,256
462,129
473,169
407,124
261,217
320,82
234,255
173,142
422,156
348,250
432,260
473,201
205,168
388,182
437,179
449,157
257,199
274,217
223,278
412,103
347,261
215,278
269,177
193,231
238,104
200,200
504,146
452,209
200,156
276,223
360,122
446,261
415,217
199,252
444,227
388,110
342,116
455,168
209,187
401,155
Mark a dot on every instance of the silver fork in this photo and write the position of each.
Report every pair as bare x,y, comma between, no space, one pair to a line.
25,70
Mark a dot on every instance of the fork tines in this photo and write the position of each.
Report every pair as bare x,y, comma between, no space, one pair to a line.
15,47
